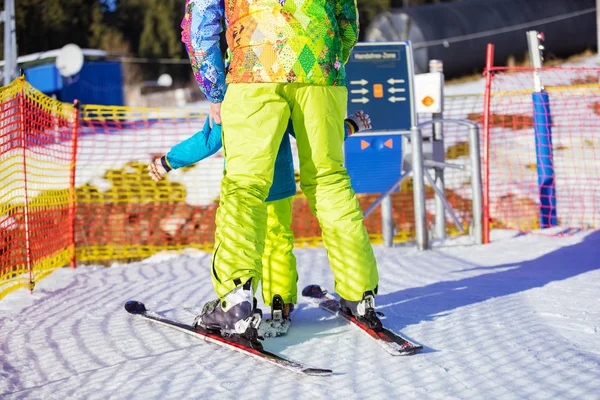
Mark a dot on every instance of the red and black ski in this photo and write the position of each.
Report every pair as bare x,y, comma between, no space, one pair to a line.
393,343
139,309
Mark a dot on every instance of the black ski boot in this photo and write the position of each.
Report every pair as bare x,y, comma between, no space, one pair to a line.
236,317
363,311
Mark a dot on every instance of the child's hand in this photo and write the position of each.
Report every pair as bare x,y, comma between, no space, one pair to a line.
362,120
156,170
215,114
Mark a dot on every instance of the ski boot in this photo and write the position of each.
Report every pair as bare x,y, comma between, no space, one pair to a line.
363,311
235,317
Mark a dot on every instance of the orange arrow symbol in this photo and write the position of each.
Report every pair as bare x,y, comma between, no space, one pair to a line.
364,144
389,143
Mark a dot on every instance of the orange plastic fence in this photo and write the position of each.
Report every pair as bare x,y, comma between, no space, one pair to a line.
572,147
36,196
74,182
74,185
77,178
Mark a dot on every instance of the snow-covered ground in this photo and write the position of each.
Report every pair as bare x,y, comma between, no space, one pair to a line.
517,319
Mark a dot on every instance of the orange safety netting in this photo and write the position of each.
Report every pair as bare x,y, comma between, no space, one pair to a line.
549,168
123,214
36,197
77,179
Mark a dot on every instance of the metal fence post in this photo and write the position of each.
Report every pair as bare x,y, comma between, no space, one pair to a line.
438,137
476,187
387,221
419,188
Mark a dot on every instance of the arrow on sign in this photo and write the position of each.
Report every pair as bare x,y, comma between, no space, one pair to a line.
396,90
361,91
394,99
392,81
363,100
362,82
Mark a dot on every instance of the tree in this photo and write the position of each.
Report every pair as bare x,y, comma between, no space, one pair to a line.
50,24
369,8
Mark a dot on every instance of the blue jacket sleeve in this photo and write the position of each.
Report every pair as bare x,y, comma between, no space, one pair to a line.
196,148
200,29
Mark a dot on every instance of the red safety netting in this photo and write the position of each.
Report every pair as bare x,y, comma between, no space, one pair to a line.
36,196
544,167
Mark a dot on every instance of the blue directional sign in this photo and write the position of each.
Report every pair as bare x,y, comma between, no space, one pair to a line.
379,81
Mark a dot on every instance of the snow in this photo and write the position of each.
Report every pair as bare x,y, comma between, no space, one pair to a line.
518,318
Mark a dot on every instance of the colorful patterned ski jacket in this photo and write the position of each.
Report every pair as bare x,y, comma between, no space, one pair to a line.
303,41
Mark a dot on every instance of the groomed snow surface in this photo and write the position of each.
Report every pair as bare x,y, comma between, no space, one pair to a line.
516,319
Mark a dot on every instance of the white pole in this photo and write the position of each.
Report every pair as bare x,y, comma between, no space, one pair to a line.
535,56
7,41
10,48
419,188
597,26
387,221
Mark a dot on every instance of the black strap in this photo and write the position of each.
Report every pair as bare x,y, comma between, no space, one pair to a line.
351,122
163,162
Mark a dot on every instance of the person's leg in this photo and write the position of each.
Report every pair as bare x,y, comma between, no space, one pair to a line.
317,114
254,118
279,275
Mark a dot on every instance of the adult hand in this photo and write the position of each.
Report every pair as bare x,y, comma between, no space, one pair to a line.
215,114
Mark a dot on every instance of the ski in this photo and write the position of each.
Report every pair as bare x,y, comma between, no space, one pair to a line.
139,309
391,342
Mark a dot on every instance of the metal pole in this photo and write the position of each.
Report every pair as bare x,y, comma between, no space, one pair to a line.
13,42
438,136
477,201
535,56
419,188
455,218
7,43
387,221
542,128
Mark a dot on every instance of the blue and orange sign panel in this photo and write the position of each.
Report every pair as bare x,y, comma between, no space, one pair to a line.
373,162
